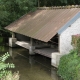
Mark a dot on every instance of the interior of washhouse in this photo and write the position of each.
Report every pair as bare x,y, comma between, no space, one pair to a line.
43,48
52,43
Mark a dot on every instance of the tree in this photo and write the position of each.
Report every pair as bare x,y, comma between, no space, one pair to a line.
59,2
11,10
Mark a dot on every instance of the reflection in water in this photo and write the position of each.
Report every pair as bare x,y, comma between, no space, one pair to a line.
32,67
54,74
31,60
2,48
10,52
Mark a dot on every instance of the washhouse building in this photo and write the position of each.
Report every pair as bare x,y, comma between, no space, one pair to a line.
46,32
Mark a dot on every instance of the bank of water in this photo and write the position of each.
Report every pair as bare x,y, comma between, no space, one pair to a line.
35,67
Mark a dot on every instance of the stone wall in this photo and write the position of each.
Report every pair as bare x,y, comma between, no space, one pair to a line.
66,37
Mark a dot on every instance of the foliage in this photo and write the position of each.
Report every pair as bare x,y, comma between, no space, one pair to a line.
10,76
69,67
11,10
1,40
76,43
58,2
4,66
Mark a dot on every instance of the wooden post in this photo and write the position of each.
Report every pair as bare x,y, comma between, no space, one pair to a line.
12,40
13,35
31,41
31,48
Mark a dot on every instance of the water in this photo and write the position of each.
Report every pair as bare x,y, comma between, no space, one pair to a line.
35,67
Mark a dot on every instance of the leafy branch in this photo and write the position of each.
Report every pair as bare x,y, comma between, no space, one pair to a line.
4,66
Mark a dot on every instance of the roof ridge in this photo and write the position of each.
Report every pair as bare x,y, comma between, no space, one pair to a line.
59,7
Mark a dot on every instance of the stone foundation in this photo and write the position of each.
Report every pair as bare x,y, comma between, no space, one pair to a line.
12,42
55,58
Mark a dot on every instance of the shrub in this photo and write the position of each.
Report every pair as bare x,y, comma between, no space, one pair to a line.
69,67
76,42
10,76
4,66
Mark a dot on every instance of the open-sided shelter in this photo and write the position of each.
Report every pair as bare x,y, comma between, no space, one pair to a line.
47,32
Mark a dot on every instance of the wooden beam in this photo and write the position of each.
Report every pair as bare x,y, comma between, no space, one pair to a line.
13,35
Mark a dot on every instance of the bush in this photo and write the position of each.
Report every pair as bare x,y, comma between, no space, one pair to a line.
5,66
76,43
10,76
6,74
69,67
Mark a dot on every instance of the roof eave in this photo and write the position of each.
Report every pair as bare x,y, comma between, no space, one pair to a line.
69,23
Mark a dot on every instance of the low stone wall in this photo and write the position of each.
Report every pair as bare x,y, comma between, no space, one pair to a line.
55,58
